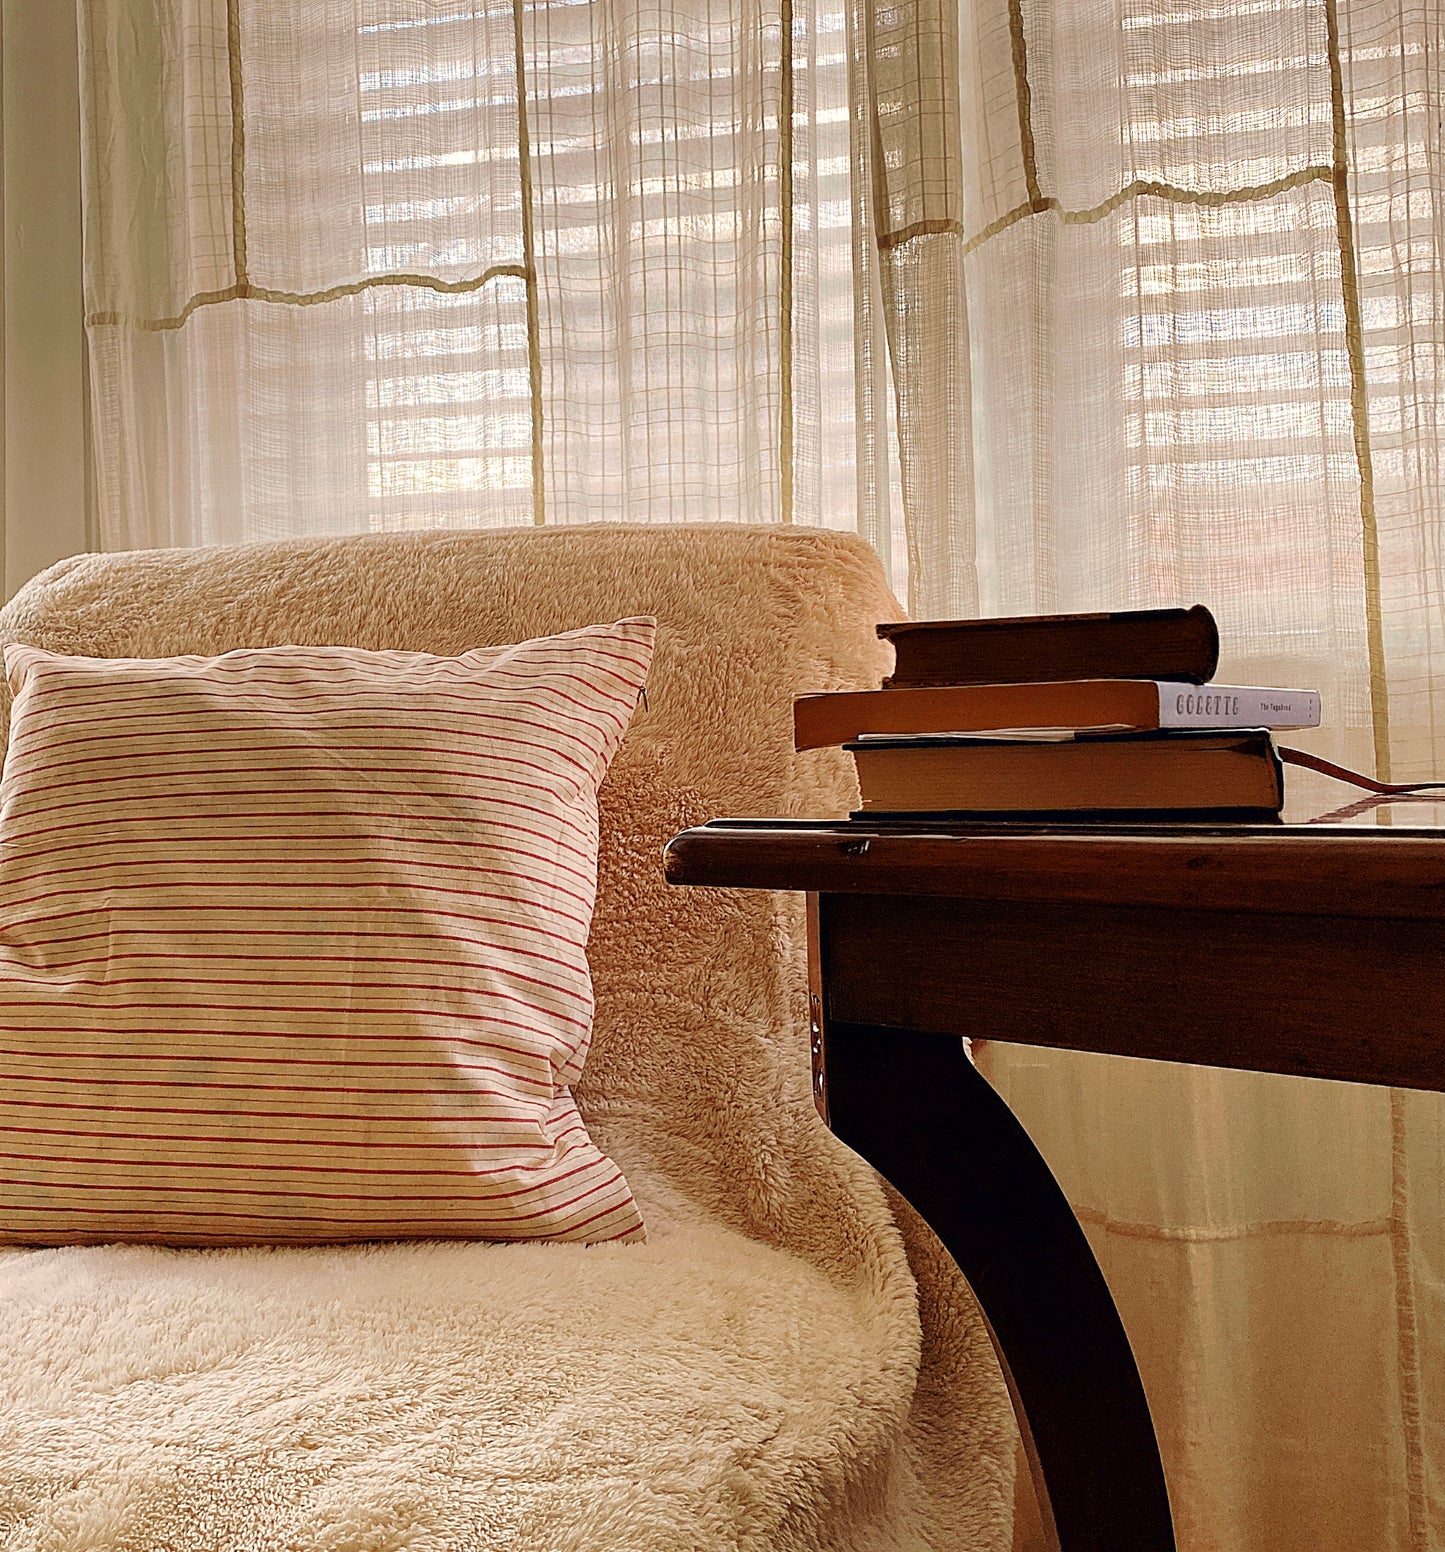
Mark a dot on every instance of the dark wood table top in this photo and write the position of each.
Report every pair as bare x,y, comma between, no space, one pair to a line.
1359,870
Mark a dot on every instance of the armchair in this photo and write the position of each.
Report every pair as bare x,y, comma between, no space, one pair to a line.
790,1362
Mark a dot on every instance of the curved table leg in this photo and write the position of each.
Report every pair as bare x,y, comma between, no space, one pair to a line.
914,1106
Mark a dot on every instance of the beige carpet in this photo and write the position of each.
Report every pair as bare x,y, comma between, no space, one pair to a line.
757,1376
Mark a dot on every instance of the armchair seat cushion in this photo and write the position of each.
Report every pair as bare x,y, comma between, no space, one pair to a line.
703,1390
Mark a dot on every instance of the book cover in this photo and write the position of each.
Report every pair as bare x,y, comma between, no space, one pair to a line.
1170,644
1164,772
819,720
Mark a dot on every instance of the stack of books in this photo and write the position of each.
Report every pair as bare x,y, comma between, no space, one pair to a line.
1084,716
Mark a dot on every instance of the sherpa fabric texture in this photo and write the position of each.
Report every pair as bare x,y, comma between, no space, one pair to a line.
293,943
789,1364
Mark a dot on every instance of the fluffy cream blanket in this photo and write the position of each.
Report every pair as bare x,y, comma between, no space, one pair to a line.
788,1363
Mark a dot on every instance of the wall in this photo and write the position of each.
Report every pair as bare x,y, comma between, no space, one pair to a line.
45,486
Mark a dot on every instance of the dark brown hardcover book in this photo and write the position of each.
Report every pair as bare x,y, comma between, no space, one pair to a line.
1173,644
1174,773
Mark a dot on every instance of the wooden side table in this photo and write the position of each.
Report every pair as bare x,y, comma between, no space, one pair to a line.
1295,948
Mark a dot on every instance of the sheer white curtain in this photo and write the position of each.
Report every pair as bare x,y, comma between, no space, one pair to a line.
1206,283
1064,305
360,264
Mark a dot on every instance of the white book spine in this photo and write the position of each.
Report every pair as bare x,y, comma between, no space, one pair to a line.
1235,706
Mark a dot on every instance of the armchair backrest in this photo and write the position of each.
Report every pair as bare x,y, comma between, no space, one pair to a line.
748,617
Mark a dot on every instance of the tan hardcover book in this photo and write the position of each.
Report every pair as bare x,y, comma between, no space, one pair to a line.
1174,644
1143,704
1175,773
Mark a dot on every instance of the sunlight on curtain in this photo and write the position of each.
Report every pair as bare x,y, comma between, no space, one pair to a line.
361,264
1206,285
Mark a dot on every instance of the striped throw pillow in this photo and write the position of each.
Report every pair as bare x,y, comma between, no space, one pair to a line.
292,943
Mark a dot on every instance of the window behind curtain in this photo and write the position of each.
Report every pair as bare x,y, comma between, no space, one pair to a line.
386,263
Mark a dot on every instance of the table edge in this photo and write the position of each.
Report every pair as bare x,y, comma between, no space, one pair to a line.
1294,870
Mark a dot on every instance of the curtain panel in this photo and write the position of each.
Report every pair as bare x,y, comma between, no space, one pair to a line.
357,264
1205,273
1094,304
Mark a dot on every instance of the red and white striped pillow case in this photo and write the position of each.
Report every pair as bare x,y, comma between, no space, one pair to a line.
292,943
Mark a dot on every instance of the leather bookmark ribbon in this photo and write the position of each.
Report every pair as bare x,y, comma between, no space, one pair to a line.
1312,762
